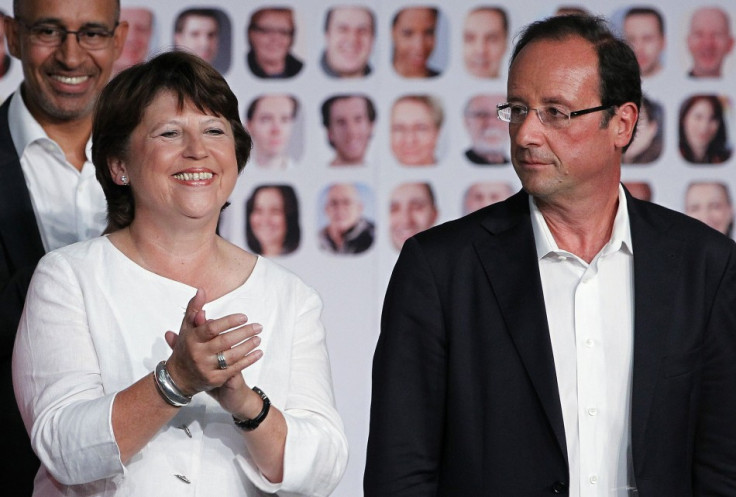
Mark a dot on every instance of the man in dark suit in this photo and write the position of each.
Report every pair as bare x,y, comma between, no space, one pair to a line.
49,195
570,340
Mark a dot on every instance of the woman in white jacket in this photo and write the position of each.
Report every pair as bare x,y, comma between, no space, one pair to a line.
113,402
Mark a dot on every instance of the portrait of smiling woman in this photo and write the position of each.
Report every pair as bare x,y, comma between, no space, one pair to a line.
414,37
272,226
239,402
703,137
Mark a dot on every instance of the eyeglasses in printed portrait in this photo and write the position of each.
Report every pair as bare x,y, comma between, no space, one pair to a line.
416,122
349,228
270,36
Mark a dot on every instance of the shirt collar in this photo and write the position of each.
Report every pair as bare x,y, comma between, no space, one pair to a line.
620,234
26,130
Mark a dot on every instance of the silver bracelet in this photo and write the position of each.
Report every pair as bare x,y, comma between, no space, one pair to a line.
167,388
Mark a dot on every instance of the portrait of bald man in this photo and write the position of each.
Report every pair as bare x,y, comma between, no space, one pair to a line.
710,41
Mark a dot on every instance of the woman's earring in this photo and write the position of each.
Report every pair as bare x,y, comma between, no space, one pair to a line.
124,180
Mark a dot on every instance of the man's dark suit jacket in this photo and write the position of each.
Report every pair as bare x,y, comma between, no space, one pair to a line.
20,249
465,399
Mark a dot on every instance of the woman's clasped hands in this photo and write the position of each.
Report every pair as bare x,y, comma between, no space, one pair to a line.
209,355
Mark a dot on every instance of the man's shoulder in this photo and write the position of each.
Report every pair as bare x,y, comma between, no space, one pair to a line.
650,219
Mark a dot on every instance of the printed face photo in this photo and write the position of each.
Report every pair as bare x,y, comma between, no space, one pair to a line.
270,35
270,125
709,41
647,144
488,134
703,131
414,36
484,193
344,206
412,210
199,35
349,129
349,37
415,130
138,41
710,202
484,42
642,32
272,213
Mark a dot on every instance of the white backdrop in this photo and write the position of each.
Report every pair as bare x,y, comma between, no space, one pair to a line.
352,286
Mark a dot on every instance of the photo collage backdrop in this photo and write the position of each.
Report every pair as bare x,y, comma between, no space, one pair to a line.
404,147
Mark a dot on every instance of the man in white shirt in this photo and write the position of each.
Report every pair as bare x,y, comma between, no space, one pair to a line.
572,339
49,195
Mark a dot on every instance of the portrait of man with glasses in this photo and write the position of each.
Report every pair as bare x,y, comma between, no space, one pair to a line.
489,135
571,339
270,36
50,196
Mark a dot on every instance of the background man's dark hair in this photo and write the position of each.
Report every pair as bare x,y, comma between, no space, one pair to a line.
182,17
435,12
251,110
647,11
327,105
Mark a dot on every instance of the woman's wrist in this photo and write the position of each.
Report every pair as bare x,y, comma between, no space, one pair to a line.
249,418
167,388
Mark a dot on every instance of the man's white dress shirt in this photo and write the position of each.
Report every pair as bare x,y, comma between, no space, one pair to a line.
69,204
590,314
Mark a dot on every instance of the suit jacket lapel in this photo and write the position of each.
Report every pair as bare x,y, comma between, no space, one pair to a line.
657,258
509,259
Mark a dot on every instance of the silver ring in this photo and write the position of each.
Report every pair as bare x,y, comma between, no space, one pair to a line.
221,362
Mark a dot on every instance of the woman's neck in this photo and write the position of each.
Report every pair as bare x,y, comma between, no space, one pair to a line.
182,255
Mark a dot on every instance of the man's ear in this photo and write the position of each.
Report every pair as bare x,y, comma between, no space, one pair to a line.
119,37
625,121
13,36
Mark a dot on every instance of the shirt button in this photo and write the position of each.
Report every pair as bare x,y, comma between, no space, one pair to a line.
589,343
592,411
593,479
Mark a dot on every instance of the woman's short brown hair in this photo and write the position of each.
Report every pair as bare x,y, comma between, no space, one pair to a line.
125,99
